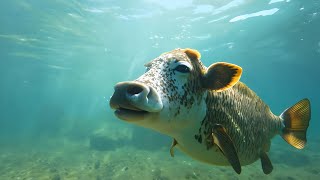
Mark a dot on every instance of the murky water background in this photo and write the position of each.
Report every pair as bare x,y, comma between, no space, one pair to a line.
59,61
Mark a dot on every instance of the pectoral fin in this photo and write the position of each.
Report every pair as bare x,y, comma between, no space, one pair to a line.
266,163
221,76
174,143
224,142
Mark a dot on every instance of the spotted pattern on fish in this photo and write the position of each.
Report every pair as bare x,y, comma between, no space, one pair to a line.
228,108
161,78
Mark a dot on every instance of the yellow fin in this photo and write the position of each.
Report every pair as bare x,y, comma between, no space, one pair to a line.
192,53
296,121
221,76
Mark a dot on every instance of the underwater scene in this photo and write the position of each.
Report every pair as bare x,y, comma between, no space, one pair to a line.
60,61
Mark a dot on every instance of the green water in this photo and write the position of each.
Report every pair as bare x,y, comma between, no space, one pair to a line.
59,61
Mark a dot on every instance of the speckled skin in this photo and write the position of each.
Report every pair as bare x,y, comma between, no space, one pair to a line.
190,111
179,91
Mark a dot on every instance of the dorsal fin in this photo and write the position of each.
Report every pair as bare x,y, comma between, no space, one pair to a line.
192,53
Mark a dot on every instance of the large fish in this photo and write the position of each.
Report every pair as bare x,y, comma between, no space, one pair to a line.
209,114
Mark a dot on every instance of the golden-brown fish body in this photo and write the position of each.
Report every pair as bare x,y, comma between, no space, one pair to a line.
246,118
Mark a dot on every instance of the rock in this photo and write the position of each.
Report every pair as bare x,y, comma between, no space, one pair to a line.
108,138
191,176
156,173
290,178
102,143
56,177
97,165
124,169
53,170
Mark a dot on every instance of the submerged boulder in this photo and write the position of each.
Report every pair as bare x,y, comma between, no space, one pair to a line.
102,143
107,138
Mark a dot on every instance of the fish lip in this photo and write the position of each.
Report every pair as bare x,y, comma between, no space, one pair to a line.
131,115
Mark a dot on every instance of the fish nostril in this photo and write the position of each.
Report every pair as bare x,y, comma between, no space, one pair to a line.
133,90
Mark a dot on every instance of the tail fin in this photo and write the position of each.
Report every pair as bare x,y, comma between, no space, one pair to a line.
296,122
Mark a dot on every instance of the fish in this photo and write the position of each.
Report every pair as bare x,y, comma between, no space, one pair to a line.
208,112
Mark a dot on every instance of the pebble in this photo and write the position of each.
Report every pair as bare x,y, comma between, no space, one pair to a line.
125,168
97,165
56,177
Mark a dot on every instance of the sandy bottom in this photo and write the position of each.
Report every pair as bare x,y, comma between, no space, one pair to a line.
71,160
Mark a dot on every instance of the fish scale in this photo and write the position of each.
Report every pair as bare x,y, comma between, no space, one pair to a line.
223,109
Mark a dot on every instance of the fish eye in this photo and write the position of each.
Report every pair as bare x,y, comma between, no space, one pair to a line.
182,68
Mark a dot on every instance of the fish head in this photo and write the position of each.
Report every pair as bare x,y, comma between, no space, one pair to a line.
171,94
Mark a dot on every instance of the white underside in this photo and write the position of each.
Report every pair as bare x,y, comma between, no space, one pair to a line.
190,146
199,152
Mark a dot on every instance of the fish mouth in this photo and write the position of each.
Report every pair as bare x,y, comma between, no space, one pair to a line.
135,101
131,114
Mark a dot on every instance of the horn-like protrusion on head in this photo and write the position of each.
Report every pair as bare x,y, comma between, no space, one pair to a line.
192,53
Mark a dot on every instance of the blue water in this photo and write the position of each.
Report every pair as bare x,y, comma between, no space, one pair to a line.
59,61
